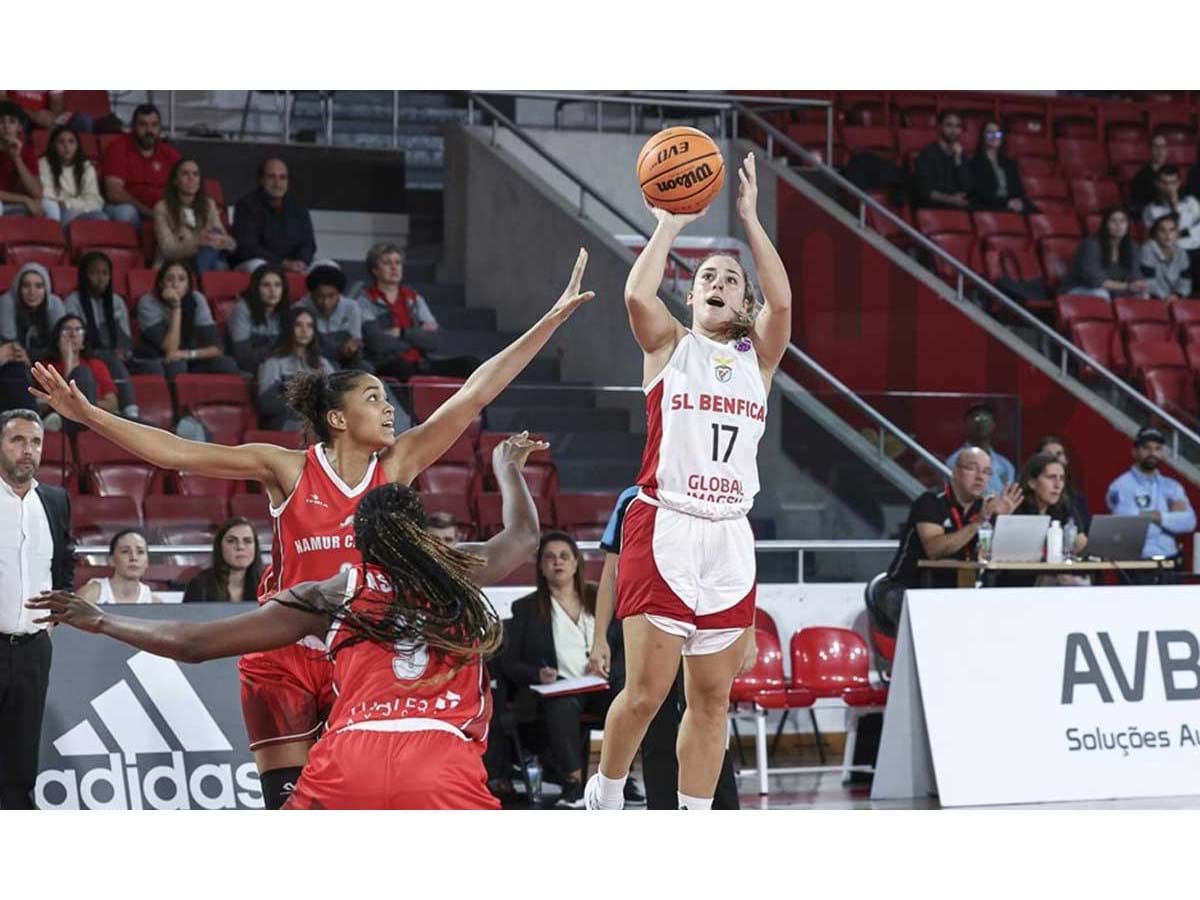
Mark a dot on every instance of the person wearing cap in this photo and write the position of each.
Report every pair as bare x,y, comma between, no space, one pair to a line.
981,425
338,318
1144,491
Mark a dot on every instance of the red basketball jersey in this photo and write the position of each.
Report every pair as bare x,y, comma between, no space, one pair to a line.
314,527
402,688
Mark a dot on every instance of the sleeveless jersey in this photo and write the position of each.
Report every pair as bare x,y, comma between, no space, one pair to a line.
314,527
705,414
106,593
401,688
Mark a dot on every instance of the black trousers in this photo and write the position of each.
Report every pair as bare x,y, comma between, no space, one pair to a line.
563,729
24,676
660,766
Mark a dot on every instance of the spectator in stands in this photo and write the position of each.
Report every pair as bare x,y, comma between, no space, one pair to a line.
109,337
15,378
398,328
298,351
1142,190
1044,479
338,318
129,558
995,180
69,356
943,177
70,186
1055,447
29,311
1144,491
272,226
441,525
259,318
236,568
178,327
1164,266
187,223
981,427
1186,210
136,168
20,187
550,637
941,524
1106,264
47,109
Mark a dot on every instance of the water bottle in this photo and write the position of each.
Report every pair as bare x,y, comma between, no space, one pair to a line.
533,777
985,540
1070,535
1054,543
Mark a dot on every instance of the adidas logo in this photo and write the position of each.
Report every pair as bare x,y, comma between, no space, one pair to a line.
193,771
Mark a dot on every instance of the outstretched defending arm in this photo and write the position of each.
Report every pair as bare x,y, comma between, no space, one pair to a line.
275,467
773,326
264,628
420,447
519,539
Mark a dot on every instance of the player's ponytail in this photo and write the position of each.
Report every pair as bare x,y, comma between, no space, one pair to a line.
314,395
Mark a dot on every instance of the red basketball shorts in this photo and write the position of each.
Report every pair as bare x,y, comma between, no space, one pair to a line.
352,769
286,694
689,576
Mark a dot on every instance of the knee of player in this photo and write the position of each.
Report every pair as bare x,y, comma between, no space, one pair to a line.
708,703
643,700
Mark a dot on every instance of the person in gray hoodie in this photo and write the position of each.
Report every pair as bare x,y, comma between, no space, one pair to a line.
29,310
1164,264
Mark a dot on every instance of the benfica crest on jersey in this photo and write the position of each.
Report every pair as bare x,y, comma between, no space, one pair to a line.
723,368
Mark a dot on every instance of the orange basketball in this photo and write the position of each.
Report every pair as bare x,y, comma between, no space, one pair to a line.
680,170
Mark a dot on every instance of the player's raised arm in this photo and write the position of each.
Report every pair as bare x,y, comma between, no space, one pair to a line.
518,541
420,447
654,328
273,466
263,628
773,326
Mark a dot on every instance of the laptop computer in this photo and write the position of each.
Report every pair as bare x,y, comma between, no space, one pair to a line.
1019,538
1117,537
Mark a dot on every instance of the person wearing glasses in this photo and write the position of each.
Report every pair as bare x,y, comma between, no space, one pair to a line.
995,179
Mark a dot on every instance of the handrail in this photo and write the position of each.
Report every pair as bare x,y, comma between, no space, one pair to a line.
965,273
867,409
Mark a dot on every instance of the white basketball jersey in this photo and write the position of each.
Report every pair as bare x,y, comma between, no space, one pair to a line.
705,414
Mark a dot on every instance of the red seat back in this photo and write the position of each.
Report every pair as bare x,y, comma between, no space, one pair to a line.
1072,308
195,512
154,400
292,440
767,672
87,234
576,510
1102,342
458,508
1172,389
829,660
1081,158
1030,145
224,285
1041,188
1044,225
26,239
1184,312
449,478
1148,355
1057,255
999,223
1133,309
192,391
124,479
225,422
1093,196
933,222
431,391
189,484
1147,332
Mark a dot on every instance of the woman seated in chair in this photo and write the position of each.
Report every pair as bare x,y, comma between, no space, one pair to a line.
1044,481
129,559
550,637
236,566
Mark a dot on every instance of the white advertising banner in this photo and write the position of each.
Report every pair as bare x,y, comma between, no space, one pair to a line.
1051,694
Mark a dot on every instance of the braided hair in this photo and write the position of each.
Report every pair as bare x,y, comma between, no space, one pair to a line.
84,292
434,602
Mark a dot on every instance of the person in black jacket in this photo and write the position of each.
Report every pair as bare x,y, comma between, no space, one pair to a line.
271,226
549,637
236,566
943,177
42,560
995,180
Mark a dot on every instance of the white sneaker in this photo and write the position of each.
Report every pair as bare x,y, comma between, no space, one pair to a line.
591,795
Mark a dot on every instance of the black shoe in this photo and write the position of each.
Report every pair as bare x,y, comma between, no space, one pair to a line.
571,796
633,795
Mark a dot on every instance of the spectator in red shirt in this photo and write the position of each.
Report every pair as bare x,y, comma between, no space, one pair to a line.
68,338
136,168
46,109
20,185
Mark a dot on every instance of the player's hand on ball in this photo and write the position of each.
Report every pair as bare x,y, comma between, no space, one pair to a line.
65,608
747,198
515,450
572,296
678,221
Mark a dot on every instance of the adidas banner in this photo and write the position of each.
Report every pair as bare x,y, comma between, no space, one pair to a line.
129,730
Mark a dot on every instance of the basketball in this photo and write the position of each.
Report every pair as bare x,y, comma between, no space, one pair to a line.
680,170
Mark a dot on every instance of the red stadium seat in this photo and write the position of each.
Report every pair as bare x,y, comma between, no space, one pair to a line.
1013,243
97,519
1191,351
197,390
916,110
225,422
1081,158
1025,123
866,108
154,400
56,448
1145,356
488,441
880,141
1044,225
1073,308
431,391
59,474
1036,166
835,662
189,484
911,141
1093,196
1173,389
1042,189
1147,332
297,286
461,451
1019,263
1057,255
812,138
450,478
254,507
932,222
1185,315
26,239
92,103
7,274
1181,154
1133,309
124,479
197,513
1128,153
997,223
292,440
886,226
92,448
1102,342
963,247
1030,146
454,504
491,520
583,513
141,282
219,286
117,239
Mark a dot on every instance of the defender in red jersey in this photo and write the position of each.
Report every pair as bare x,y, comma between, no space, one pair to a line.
407,631
349,414
686,577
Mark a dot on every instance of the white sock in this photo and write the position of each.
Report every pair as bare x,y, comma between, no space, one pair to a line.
612,791
686,802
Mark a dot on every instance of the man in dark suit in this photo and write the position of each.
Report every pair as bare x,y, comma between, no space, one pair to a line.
36,554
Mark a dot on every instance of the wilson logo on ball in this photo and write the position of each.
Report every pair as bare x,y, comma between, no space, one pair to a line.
701,173
680,170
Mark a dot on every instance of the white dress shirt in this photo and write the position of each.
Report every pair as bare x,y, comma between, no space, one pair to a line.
572,640
26,554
